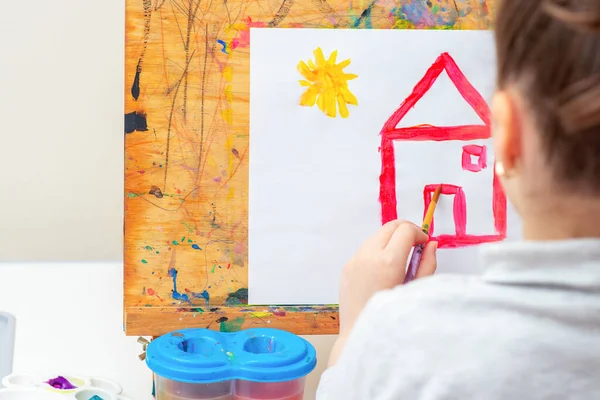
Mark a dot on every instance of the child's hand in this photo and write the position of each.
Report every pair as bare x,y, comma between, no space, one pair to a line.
378,265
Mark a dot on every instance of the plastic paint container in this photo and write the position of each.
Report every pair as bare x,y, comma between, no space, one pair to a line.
37,385
255,364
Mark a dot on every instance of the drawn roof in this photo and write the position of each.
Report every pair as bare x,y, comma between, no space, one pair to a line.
468,92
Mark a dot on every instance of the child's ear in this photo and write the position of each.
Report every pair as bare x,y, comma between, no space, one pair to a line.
506,131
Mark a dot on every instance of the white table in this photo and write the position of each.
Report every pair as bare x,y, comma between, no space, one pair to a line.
70,321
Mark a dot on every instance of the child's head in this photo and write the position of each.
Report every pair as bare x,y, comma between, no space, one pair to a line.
547,107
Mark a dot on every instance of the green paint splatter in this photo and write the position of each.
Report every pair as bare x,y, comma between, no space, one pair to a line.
148,248
183,239
230,356
238,297
144,262
403,24
435,9
212,271
198,310
175,242
190,241
232,326
131,195
188,227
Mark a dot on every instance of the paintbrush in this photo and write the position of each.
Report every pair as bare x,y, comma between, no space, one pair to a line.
415,260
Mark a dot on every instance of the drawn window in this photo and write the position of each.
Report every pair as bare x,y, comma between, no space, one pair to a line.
474,158
459,206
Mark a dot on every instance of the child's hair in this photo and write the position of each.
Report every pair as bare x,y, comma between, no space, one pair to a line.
550,51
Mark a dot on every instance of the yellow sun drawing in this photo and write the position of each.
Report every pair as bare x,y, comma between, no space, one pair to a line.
327,84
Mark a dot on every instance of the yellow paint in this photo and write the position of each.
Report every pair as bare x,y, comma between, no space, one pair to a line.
228,73
227,115
403,24
327,84
196,126
228,148
228,93
262,314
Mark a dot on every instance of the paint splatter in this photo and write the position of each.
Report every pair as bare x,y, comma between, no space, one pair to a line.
201,295
155,191
196,247
228,73
238,297
222,43
365,17
176,295
230,356
135,122
243,38
421,14
230,326
144,262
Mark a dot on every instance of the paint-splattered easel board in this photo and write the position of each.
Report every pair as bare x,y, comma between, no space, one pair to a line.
186,138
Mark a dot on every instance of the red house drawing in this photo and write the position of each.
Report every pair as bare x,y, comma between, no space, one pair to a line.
391,133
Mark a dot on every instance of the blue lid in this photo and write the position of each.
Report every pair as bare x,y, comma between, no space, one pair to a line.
205,356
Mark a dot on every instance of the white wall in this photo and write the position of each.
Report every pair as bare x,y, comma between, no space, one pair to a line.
61,164
61,134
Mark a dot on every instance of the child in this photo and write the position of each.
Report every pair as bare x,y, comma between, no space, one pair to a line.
529,326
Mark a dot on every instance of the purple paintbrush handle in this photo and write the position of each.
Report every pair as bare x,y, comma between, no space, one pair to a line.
413,265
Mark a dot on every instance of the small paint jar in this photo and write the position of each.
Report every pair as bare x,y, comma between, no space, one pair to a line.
255,364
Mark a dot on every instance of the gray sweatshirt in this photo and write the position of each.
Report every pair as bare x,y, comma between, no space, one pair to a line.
527,328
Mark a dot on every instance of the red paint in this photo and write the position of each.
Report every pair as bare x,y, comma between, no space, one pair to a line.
142,172
459,207
229,266
479,152
421,133
279,313
151,292
390,133
243,37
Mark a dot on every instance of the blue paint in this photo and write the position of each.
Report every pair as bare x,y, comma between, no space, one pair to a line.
176,295
204,295
421,15
196,247
365,17
222,43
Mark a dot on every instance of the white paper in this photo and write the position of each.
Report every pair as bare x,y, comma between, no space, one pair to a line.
314,180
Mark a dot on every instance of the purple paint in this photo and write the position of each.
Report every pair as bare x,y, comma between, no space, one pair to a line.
62,383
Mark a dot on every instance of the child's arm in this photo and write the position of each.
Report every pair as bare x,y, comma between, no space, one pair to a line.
378,265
